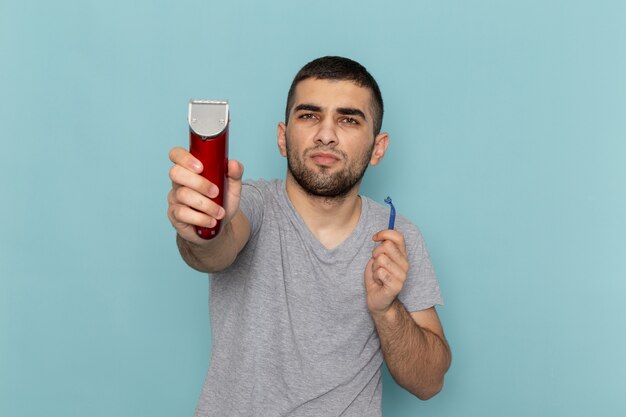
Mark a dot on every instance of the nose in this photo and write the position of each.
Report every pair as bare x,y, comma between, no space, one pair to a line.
326,135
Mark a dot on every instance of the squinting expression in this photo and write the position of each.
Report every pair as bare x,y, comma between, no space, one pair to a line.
329,138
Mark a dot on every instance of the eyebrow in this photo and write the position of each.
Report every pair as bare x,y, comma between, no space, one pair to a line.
346,111
350,111
307,107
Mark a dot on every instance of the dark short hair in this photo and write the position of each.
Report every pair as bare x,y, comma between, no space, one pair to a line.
340,69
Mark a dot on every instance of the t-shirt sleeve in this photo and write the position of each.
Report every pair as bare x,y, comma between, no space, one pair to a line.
421,289
251,204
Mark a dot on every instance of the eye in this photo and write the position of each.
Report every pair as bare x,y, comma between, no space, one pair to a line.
306,116
350,121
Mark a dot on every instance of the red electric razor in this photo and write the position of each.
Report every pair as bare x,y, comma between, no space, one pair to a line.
208,141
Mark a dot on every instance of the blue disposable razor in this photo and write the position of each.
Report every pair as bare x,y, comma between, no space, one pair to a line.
392,214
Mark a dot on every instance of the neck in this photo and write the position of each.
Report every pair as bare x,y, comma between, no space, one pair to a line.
330,219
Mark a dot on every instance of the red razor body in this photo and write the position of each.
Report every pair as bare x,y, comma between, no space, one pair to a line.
208,141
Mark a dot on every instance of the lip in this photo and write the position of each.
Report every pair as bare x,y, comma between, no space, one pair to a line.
324,158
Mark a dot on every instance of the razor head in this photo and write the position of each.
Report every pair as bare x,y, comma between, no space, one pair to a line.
208,118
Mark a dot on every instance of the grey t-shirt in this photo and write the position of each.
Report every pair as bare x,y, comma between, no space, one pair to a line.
291,333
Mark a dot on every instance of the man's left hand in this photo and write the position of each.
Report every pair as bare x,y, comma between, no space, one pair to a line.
386,271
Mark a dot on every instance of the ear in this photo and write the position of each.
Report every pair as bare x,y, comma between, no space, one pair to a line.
380,147
282,138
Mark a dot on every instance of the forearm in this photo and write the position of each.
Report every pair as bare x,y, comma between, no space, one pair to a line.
416,357
211,256
204,258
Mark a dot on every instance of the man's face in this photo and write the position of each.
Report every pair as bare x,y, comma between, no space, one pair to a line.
329,138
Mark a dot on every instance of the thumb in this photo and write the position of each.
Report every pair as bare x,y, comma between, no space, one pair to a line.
233,191
235,170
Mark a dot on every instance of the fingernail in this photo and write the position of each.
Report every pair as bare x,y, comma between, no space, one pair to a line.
221,213
214,192
196,166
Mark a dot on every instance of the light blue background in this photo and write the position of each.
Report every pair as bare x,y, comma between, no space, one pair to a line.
508,126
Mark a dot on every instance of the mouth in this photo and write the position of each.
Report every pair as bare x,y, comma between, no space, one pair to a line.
324,158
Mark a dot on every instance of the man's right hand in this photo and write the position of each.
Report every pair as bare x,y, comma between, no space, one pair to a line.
189,200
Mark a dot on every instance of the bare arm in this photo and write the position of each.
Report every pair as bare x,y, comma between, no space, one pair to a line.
417,356
413,345
218,253
190,204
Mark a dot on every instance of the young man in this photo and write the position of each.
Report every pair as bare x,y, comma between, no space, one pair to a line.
309,291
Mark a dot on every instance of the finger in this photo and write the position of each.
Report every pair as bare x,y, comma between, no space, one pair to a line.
374,282
371,281
388,280
182,176
171,197
392,235
190,198
184,158
369,273
181,216
391,250
395,271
